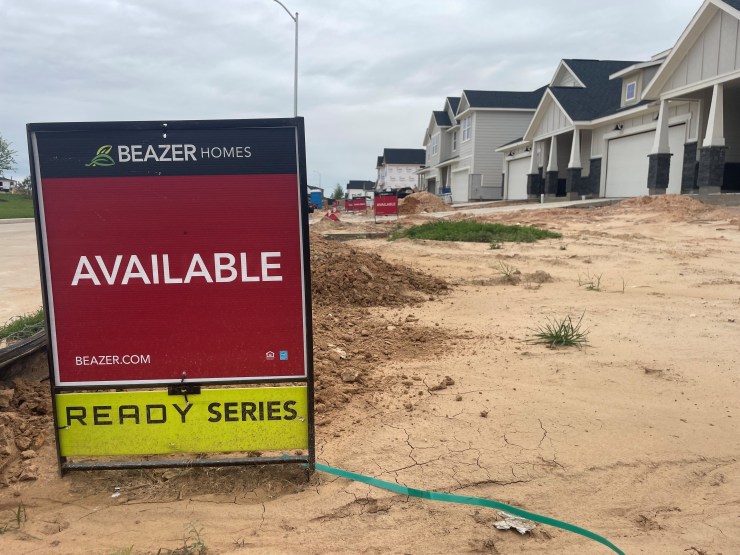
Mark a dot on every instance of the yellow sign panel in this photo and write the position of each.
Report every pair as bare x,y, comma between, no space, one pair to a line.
153,422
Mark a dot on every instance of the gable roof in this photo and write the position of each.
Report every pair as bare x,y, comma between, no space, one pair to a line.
454,102
408,156
685,42
442,119
561,71
504,99
380,162
601,95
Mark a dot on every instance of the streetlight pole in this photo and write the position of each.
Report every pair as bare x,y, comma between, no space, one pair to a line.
318,172
295,70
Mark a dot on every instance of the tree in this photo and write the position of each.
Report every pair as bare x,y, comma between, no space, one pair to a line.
7,156
338,192
24,187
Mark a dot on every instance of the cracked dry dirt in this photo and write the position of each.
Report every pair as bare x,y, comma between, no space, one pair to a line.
634,437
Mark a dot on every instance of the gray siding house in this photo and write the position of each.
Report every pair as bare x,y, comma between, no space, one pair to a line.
461,139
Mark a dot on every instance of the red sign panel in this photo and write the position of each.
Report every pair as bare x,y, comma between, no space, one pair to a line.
356,205
161,265
386,205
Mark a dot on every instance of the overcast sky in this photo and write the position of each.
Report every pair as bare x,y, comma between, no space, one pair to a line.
370,73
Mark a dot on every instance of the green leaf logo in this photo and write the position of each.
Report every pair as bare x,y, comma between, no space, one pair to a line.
102,157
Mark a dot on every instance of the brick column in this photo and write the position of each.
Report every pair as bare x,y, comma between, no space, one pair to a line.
712,153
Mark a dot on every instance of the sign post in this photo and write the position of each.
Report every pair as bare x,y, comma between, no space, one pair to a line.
160,271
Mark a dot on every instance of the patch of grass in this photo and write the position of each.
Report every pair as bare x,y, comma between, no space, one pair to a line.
509,274
475,232
125,551
562,332
20,516
15,206
20,327
193,543
592,282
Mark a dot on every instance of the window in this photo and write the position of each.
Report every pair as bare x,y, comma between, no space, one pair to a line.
454,141
467,129
631,91
435,144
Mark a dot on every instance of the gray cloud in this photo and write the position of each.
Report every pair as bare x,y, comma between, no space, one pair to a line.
370,73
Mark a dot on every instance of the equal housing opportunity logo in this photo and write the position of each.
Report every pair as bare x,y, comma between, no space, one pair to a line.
164,153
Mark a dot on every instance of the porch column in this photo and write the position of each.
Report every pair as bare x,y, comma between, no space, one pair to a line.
659,159
712,152
551,179
573,179
534,189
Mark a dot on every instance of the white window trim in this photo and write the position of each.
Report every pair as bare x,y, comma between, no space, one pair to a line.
627,97
435,144
467,129
454,141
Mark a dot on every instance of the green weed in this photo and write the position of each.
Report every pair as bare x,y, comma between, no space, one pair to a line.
562,332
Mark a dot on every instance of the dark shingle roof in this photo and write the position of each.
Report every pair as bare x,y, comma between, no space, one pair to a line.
380,162
601,96
442,119
363,185
415,156
505,99
734,3
454,102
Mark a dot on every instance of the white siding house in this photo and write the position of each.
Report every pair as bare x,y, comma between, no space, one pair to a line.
398,167
670,124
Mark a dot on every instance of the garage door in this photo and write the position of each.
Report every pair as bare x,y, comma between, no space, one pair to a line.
460,186
627,165
516,179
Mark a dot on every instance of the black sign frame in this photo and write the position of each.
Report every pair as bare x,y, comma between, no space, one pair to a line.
189,386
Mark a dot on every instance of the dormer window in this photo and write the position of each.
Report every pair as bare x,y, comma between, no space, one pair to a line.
631,91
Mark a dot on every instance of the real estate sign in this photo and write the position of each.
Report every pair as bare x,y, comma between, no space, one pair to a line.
386,204
157,261
160,269
356,205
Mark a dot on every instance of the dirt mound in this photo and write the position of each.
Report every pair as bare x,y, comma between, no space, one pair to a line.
344,276
327,224
676,206
349,344
25,421
421,203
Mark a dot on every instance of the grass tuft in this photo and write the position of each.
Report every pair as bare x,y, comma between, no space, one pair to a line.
475,232
592,282
20,516
509,274
20,327
561,333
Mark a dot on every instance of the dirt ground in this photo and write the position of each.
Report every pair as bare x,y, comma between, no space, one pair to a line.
437,386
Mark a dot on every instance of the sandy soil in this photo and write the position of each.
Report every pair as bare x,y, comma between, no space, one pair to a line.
634,437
